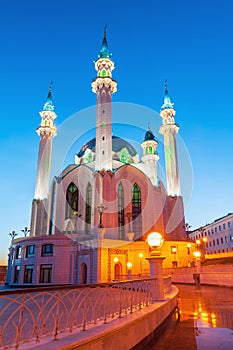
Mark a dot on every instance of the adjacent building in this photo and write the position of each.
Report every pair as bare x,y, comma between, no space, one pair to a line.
216,237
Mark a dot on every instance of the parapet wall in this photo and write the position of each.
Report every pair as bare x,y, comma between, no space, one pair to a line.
219,275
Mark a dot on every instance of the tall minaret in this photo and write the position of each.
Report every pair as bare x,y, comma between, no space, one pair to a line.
104,86
150,156
46,131
169,129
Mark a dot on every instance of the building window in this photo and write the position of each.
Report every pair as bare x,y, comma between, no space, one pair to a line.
18,252
229,224
226,239
224,226
136,210
212,230
28,273
217,241
45,273
220,228
136,200
30,251
88,208
221,240
215,229
231,238
16,275
71,200
121,213
214,243
47,250
210,244
208,232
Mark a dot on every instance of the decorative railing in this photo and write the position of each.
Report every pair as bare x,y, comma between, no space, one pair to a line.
27,315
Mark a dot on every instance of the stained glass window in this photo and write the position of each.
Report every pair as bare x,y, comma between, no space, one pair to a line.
71,200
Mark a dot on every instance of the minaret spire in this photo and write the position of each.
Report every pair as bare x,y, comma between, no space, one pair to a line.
104,86
169,129
46,131
150,156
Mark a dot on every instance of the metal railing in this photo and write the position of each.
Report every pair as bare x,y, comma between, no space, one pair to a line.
27,315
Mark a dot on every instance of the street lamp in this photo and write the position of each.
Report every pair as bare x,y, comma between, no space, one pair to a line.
115,260
129,267
25,231
140,255
13,234
188,251
198,242
155,241
204,240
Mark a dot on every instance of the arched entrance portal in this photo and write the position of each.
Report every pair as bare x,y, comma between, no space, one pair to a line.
117,271
83,274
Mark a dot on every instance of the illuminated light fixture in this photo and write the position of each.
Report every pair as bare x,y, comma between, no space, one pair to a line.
198,241
155,241
196,255
189,245
204,239
115,260
140,255
129,265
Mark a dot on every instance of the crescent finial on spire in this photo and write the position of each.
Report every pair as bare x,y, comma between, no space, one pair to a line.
105,29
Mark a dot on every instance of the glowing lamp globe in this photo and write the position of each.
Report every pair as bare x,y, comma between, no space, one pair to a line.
155,241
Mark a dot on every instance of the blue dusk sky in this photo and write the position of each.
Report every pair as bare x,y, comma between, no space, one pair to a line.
189,43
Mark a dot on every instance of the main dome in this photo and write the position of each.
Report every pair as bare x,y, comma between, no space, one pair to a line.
117,145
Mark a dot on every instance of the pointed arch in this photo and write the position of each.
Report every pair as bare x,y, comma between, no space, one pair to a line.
71,200
121,212
83,274
136,200
88,208
136,211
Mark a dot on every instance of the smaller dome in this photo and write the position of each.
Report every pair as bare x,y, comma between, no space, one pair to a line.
149,135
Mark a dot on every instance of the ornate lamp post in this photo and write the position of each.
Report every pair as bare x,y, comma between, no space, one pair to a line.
25,231
101,209
130,233
129,267
155,241
13,234
140,255
197,261
204,240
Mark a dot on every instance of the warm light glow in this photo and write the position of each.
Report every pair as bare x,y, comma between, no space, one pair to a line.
129,265
204,239
140,255
198,241
115,260
196,254
189,245
155,240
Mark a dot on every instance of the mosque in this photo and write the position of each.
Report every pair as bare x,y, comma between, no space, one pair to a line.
90,224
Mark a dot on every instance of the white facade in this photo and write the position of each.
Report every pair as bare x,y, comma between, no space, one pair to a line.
219,235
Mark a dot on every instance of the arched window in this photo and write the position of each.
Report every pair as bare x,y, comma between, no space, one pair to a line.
88,208
136,211
83,274
136,200
121,213
71,200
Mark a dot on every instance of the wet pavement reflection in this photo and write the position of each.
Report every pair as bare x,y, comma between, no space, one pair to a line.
204,320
